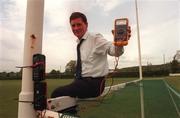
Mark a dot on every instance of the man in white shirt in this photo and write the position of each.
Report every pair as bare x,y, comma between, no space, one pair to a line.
92,64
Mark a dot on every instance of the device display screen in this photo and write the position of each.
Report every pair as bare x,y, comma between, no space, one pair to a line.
121,29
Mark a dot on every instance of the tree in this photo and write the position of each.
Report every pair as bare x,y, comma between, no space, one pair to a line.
174,66
70,67
54,72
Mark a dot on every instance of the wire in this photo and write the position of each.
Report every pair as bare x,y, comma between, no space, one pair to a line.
32,66
111,75
41,114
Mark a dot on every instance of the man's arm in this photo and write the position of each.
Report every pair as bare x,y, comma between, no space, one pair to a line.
107,47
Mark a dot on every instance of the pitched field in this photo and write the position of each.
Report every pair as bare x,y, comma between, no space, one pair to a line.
159,100
125,103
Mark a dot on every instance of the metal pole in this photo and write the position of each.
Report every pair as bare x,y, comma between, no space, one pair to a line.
142,99
139,44
60,72
164,59
32,45
140,65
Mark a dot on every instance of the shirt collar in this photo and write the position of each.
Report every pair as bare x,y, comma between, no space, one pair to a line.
85,36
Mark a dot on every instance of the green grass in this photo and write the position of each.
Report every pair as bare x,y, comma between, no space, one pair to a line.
10,89
158,103
174,82
125,103
121,104
9,92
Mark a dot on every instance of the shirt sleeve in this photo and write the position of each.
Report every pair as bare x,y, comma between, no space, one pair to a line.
102,46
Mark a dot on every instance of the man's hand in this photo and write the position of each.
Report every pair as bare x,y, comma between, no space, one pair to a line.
125,39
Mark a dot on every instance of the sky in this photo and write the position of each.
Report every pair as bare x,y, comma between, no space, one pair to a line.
159,23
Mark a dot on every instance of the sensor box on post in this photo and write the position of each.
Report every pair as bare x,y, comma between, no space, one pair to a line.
38,67
40,95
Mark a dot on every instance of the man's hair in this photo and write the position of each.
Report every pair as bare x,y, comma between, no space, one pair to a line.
75,15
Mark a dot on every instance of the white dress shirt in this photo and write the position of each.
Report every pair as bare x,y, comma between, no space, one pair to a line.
94,50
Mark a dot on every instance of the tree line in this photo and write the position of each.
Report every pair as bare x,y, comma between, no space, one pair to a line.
148,71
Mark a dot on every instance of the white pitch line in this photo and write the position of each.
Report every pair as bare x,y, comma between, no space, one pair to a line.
168,88
175,92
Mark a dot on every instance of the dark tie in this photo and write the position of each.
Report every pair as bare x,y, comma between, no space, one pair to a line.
79,66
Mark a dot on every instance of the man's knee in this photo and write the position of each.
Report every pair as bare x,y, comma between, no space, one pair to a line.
58,92
54,94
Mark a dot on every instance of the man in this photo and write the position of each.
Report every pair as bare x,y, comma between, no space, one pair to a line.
92,64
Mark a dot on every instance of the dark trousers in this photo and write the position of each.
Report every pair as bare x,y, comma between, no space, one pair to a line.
82,88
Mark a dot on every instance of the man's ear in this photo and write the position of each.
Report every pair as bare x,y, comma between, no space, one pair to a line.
112,31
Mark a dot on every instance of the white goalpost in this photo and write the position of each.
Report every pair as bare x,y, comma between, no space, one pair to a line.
32,45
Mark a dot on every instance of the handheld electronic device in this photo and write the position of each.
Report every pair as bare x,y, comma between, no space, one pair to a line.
121,31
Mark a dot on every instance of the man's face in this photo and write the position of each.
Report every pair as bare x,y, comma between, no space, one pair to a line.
78,27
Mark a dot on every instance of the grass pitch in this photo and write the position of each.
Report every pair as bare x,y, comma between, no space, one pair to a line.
124,103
